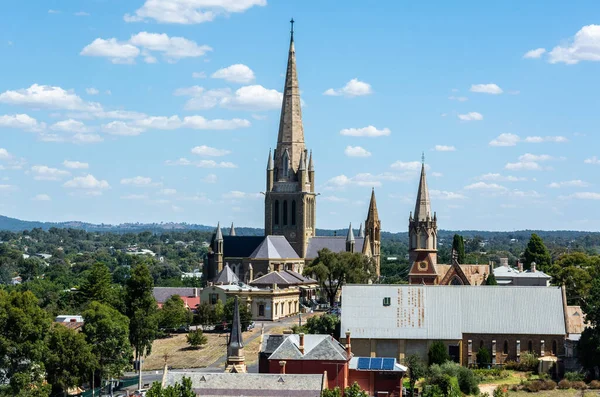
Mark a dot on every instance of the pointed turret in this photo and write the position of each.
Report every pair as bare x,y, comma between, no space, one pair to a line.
235,347
270,162
311,166
218,233
350,241
361,232
373,231
372,215
302,165
232,230
423,205
215,259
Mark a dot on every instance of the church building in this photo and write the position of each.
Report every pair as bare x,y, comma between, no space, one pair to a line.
290,211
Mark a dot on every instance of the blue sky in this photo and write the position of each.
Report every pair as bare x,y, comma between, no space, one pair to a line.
165,110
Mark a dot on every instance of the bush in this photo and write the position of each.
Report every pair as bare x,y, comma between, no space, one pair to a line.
483,357
501,391
533,386
573,376
196,338
564,384
467,381
438,354
492,374
439,374
579,385
528,362
595,384
548,384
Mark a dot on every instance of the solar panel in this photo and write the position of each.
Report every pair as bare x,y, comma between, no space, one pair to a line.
376,363
388,364
363,363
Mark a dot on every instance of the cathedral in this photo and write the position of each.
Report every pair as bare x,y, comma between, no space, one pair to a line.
290,239
422,248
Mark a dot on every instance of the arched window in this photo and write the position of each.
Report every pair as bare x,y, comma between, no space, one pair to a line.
456,281
554,347
285,213
293,212
505,350
276,212
286,163
530,346
277,304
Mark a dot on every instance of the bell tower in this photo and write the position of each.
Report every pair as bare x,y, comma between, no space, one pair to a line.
290,199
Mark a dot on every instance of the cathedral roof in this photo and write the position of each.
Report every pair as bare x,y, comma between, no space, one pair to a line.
227,276
240,246
274,247
423,205
333,243
283,278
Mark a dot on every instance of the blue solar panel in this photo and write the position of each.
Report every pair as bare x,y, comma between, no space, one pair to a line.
376,363
388,364
363,363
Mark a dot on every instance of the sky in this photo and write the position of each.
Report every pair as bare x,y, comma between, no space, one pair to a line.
165,110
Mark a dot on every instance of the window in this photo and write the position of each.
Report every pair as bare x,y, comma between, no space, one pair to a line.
285,213
387,301
261,310
293,212
530,346
286,163
276,212
554,347
277,304
505,350
213,299
456,281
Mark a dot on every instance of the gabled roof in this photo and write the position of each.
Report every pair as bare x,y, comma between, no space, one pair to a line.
274,247
240,246
227,276
333,243
316,347
161,294
283,278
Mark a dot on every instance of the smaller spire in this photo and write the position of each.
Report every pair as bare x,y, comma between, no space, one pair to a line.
232,230
302,165
422,158
292,29
218,233
235,348
361,232
350,236
270,162
311,166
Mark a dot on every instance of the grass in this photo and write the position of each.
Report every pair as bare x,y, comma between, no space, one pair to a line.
553,393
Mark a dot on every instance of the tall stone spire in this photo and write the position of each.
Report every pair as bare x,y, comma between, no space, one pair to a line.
423,205
372,215
218,233
232,230
291,131
373,232
270,162
236,361
361,232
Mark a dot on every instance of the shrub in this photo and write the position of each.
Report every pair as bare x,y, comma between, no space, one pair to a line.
439,374
196,338
564,384
514,388
548,385
579,385
467,381
483,357
573,376
492,374
528,362
501,391
438,354
533,386
595,384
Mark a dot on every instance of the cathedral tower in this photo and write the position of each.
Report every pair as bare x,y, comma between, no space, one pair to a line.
373,232
290,196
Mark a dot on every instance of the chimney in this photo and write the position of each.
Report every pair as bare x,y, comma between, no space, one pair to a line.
348,345
301,347
532,267
282,369
519,266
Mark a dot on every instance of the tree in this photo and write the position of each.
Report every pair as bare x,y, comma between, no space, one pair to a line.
483,357
205,314
416,370
575,271
97,285
438,353
178,390
491,279
536,252
69,360
23,328
325,324
173,313
334,269
335,392
142,312
245,314
107,331
458,245
196,338
355,391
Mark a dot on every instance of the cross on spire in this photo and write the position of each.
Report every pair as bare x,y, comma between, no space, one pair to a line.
292,30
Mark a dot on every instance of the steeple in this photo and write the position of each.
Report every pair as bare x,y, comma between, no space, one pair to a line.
423,205
232,230
270,162
291,131
361,233
373,231
235,348
350,241
218,233
372,215
311,166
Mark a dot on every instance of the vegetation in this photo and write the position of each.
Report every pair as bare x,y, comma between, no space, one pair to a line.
491,279
416,370
484,358
174,314
196,338
440,376
536,252
458,245
438,353
178,390
589,344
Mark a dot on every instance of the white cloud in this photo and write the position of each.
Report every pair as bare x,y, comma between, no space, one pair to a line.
505,139
45,96
198,75
76,165
86,138
444,195
342,181
444,148
485,186
352,88
573,183
536,157
540,139
21,121
82,14
189,11
237,195
143,43
471,116
253,97
238,73
194,90
209,151
69,125
437,174
490,88
168,192
584,46
407,165
121,128
42,197
334,199
88,182
135,197
202,99
458,98
368,131
501,178
210,178
92,91
5,155
45,173
139,181
592,160
356,151
53,11
7,188
583,196
201,163
529,162
534,54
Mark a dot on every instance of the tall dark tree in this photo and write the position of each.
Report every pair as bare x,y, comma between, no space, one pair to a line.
205,315
458,245
536,252
333,269
416,370
142,312
438,353
69,360
174,314
491,279
97,285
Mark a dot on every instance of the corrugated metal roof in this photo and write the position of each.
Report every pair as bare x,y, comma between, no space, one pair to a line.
446,312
